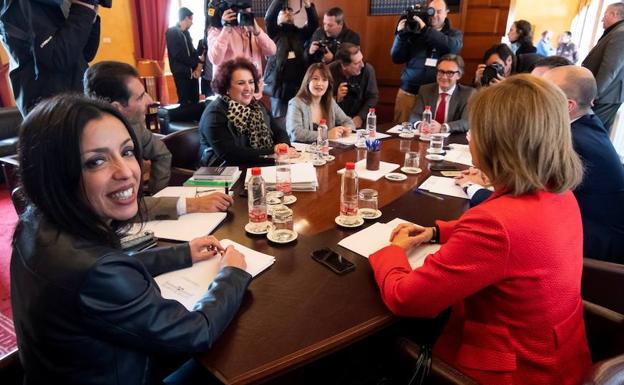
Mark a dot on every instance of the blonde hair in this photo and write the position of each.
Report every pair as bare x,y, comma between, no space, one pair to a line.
521,134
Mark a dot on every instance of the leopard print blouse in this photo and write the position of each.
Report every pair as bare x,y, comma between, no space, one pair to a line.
249,121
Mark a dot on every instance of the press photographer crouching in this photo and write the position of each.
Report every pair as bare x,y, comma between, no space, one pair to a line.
355,84
423,35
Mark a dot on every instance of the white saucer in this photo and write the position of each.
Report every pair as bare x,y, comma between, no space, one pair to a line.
289,199
282,236
319,162
268,228
434,157
406,135
361,213
395,177
432,151
330,158
359,222
411,170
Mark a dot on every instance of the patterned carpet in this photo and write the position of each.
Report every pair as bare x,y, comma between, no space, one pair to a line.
8,218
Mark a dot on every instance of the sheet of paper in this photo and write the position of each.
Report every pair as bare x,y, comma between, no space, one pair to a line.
187,192
459,153
377,236
186,227
397,130
363,173
349,140
444,186
188,285
302,146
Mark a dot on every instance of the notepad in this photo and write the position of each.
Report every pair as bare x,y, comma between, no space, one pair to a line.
187,192
444,186
186,227
363,173
377,236
188,285
459,153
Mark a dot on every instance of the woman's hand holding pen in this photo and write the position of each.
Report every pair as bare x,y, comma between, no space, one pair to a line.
205,247
408,235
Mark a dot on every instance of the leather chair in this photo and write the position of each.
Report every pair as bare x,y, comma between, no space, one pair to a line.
184,148
609,372
10,120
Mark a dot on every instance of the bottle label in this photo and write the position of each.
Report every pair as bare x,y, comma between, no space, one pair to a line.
257,215
349,208
285,187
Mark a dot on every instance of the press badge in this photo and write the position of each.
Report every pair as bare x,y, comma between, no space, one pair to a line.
291,55
211,11
431,62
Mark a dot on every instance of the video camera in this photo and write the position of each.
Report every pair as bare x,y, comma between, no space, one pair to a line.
420,9
215,9
491,72
101,3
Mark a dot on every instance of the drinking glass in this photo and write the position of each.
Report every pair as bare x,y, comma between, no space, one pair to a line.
368,203
412,162
282,220
436,144
360,139
406,130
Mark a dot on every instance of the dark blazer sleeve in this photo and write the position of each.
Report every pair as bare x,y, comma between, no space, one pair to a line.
176,48
400,51
121,303
450,42
270,18
460,115
94,41
313,22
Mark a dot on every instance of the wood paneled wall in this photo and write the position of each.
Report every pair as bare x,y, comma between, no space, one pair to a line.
484,22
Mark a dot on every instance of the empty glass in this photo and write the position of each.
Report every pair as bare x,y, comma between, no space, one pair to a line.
412,162
436,144
406,130
367,202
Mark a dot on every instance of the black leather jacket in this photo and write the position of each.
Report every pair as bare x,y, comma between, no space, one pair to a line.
86,313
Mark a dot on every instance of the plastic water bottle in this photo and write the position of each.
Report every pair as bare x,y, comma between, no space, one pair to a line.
283,178
322,140
425,124
256,203
371,123
349,195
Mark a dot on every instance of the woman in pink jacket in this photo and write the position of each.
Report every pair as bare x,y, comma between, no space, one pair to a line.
510,268
233,41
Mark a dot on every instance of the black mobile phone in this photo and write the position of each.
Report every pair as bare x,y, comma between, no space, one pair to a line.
443,166
334,261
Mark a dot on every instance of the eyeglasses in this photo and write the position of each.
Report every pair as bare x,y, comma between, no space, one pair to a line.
448,74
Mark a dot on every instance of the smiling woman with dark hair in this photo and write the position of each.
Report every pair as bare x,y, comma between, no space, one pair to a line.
236,129
86,312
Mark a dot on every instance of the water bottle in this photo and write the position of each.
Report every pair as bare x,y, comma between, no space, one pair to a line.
425,124
349,195
371,123
322,140
256,203
282,177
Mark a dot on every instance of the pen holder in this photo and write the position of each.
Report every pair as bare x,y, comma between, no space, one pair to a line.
372,160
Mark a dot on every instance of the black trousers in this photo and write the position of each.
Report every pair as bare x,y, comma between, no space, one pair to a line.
606,113
187,88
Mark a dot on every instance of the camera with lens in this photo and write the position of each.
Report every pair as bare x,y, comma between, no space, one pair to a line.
353,90
215,9
419,9
491,72
332,44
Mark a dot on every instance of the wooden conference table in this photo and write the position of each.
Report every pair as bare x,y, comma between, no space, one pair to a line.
298,310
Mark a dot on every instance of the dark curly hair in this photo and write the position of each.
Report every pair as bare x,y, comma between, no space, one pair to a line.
223,78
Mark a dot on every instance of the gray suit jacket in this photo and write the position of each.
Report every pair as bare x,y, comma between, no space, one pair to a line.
299,120
606,62
457,117
154,150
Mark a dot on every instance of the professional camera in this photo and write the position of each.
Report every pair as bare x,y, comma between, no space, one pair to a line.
331,43
102,3
353,90
419,9
215,9
491,72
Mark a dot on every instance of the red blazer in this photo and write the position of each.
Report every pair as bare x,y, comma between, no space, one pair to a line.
511,270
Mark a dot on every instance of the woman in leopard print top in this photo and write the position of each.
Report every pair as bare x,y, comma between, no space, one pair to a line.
235,128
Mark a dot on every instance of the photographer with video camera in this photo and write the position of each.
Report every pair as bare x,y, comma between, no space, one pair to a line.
234,33
285,70
355,84
50,46
326,40
423,35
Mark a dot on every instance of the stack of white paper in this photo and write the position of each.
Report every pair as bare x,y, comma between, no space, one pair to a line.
350,140
377,236
187,192
444,186
459,153
303,176
188,285
185,228
363,173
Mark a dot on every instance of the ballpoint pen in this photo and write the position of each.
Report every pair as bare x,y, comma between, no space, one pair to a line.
423,192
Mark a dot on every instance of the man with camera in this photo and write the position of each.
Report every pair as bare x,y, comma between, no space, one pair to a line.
499,63
50,46
235,32
355,84
183,58
285,70
423,35
325,41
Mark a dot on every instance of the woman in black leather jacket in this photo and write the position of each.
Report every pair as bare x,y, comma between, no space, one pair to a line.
86,312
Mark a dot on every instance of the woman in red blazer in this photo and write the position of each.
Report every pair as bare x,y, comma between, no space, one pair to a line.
510,268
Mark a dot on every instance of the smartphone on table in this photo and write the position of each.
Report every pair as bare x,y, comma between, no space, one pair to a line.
332,260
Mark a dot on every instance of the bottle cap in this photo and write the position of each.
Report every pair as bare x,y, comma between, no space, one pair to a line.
323,121
255,171
350,166
372,109
282,148
427,107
